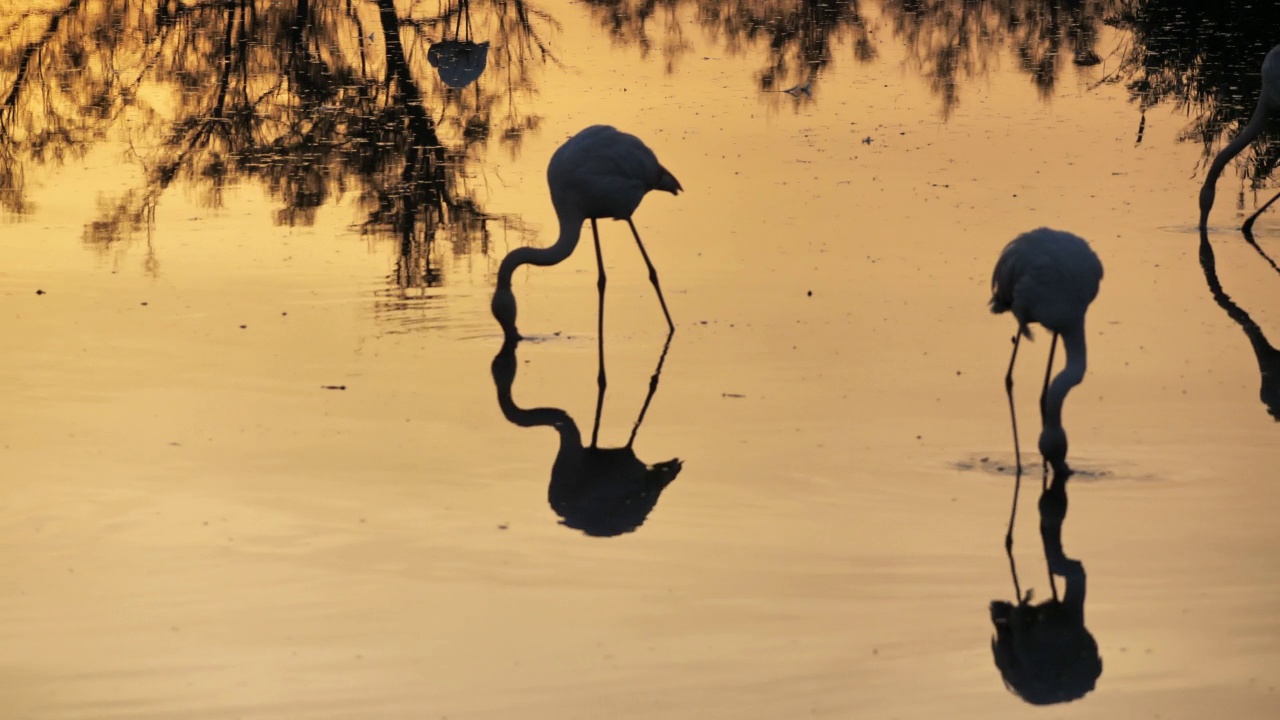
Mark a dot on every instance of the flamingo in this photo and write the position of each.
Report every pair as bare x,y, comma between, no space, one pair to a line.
1268,103
1049,277
598,173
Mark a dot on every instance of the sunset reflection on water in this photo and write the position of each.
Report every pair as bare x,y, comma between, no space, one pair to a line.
257,466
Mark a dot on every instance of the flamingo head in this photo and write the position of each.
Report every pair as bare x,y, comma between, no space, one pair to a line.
1053,448
504,309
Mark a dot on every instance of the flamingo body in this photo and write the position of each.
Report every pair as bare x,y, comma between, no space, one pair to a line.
1048,277
604,173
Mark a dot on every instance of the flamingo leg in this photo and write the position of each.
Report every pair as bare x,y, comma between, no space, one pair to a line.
653,387
1008,538
653,276
1044,490
1017,455
1247,228
601,382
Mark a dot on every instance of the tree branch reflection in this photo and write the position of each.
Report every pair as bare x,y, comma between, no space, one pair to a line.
948,41
1204,59
315,100
800,36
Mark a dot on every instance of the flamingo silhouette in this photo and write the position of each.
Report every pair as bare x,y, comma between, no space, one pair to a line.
598,173
1044,652
603,492
1048,277
1268,356
1268,103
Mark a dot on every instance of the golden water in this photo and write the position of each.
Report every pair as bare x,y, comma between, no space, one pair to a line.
255,466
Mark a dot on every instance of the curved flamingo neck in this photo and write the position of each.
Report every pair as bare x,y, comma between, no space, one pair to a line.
504,376
1077,361
1246,136
570,231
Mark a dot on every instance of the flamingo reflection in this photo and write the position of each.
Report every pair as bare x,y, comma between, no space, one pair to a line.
1267,355
602,492
1043,651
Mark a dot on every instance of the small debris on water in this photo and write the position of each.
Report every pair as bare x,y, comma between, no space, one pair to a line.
39,292
333,387
731,395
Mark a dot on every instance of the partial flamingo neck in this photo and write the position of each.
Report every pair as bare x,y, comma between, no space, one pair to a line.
1246,136
1053,438
1077,361
504,376
570,231
504,300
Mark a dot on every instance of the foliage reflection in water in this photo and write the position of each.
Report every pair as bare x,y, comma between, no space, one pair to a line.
313,100
1204,59
398,106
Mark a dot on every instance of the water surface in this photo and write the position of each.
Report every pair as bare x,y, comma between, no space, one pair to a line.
258,465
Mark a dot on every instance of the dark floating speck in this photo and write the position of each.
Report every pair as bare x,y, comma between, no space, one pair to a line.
333,387
39,292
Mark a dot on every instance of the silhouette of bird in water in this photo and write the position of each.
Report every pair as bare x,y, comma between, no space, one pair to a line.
1268,103
1048,277
1268,356
598,173
602,492
1044,652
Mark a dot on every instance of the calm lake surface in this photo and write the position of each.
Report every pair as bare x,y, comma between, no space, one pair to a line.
262,457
